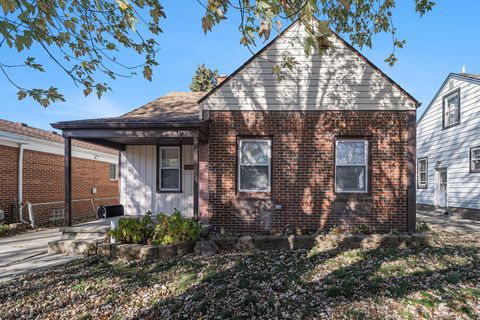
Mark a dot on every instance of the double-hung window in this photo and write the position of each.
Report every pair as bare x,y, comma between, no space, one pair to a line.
169,169
351,165
113,173
475,159
451,109
422,173
254,165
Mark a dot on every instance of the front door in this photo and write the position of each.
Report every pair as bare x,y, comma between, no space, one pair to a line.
441,199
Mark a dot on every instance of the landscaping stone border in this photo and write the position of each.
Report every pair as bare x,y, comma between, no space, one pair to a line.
322,242
131,252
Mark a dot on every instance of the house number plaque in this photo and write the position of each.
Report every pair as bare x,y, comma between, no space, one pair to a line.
188,166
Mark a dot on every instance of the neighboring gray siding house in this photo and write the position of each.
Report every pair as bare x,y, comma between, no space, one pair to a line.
448,148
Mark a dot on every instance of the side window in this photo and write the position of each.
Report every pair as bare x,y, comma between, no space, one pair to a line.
254,165
422,173
451,109
351,166
113,171
475,159
169,172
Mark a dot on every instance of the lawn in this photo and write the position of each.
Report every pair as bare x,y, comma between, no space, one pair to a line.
437,282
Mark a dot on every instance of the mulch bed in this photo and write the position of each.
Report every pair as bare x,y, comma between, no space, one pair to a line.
441,281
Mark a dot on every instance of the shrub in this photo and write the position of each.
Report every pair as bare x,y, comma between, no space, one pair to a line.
361,229
168,229
133,230
4,230
422,226
174,228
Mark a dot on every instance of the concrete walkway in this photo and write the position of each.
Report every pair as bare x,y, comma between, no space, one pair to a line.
439,222
27,252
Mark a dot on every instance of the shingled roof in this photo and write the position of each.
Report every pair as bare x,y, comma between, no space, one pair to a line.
25,130
471,75
174,108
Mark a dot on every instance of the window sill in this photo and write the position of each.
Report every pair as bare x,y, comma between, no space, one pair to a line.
113,179
339,196
254,195
169,191
451,126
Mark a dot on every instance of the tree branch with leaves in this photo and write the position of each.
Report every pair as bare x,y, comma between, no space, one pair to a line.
83,38
361,20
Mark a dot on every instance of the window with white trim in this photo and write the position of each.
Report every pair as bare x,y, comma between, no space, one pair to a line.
254,165
169,168
113,172
351,165
475,159
422,173
451,109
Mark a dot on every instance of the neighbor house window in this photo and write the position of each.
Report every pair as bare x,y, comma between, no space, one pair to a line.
422,173
113,171
169,168
451,109
254,165
351,165
475,159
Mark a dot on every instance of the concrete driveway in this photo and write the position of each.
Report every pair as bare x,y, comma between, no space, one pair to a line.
450,224
27,252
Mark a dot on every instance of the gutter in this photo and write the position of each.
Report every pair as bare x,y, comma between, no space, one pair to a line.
21,142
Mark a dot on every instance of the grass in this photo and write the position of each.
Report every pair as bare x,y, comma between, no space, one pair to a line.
437,282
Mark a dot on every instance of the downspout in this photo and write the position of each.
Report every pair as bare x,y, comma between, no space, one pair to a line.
20,183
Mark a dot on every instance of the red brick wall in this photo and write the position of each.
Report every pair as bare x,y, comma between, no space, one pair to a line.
43,183
8,177
303,147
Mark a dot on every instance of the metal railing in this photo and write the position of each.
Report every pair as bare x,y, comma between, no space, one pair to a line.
82,209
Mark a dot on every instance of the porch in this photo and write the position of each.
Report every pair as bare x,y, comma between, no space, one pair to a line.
160,145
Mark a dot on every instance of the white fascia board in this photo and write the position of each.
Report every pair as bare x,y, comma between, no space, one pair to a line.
41,145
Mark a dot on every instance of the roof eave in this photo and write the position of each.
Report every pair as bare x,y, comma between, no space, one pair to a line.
128,125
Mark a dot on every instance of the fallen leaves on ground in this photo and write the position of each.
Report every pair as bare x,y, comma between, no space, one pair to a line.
437,282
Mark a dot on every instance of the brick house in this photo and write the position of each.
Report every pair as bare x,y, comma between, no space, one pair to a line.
332,144
32,170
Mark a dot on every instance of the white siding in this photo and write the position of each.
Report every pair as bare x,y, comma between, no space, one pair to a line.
452,145
139,183
337,80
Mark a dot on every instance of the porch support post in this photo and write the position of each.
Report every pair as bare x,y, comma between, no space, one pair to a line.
195,177
411,170
68,182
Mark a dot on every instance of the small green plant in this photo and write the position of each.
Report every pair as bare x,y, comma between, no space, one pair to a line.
293,230
422,226
361,229
336,231
174,228
4,229
134,230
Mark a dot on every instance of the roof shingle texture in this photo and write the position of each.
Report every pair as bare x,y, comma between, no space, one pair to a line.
471,75
18,128
174,107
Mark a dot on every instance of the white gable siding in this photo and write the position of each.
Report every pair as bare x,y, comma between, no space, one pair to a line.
338,80
452,146
139,183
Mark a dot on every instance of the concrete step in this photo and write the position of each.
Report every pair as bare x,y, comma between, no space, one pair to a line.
88,247
86,229
73,235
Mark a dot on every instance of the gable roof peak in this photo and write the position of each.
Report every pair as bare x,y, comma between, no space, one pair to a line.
338,37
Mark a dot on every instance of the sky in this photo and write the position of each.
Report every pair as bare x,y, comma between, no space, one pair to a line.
438,43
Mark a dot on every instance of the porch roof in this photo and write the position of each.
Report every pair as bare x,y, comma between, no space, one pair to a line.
170,119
